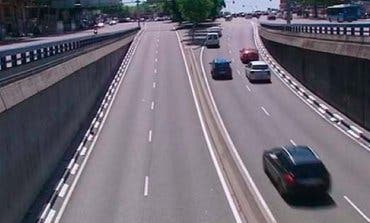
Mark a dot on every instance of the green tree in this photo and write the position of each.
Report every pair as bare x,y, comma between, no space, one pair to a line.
196,11
217,6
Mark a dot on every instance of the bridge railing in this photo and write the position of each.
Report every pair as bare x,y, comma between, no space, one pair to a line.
25,55
329,29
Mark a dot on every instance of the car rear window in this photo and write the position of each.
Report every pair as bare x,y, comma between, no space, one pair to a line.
309,170
222,65
260,67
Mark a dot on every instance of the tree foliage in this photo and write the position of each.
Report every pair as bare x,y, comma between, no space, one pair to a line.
198,10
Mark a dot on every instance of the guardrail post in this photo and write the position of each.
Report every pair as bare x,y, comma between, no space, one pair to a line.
2,63
14,60
352,31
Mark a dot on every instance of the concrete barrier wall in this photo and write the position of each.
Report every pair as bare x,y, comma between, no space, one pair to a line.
342,81
40,117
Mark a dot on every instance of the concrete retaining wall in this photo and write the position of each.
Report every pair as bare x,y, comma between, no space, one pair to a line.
40,117
343,81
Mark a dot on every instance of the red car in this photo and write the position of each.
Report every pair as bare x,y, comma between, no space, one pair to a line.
248,55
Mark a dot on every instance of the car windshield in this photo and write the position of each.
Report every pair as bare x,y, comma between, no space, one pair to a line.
260,67
309,170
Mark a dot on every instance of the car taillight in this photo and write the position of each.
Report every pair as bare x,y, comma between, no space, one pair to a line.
289,179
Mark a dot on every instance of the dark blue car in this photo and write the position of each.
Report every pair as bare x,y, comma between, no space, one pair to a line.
221,69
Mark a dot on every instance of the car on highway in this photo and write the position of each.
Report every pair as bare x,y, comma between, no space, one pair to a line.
228,18
248,16
258,71
296,170
112,22
215,29
221,69
247,55
212,40
100,25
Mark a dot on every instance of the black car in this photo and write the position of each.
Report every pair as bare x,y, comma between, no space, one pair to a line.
296,170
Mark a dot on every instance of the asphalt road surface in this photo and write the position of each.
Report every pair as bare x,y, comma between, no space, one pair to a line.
150,162
41,40
263,116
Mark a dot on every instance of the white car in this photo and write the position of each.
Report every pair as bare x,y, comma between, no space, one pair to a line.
100,25
112,22
212,40
215,29
258,71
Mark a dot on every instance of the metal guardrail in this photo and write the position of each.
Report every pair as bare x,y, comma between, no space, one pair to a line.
25,55
329,29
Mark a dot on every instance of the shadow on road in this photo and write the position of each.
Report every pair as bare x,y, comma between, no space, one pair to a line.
309,201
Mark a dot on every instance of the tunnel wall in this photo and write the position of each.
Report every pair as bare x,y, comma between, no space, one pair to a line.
342,81
36,132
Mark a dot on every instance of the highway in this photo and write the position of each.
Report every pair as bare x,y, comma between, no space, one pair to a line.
263,116
47,39
150,162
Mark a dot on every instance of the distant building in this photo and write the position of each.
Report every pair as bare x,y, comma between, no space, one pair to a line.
83,3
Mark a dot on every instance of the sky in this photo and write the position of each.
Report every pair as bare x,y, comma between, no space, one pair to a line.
245,5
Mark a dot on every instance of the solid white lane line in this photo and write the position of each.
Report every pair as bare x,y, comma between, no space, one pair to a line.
63,191
152,106
50,217
146,186
367,219
150,136
154,84
246,86
109,107
265,111
246,175
226,189
292,142
74,169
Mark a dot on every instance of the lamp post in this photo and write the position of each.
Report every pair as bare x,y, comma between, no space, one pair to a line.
288,12
137,13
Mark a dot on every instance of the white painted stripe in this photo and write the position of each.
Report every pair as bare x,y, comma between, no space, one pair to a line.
150,136
156,59
83,151
321,110
59,184
312,97
63,190
154,84
74,169
71,163
156,51
96,125
46,210
246,86
265,111
101,114
323,106
90,137
355,129
146,186
292,142
50,217
367,219
350,131
155,71
230,51
227,192
152,106
309,101
338,117
238,71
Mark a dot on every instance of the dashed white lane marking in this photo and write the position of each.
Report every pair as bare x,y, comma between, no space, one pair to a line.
63,190
74,169
50,216
146,186
230,51
155,71
292,142
352,133
238,71
83,151
154,84
152,106
90,137
246,86
367,219
265,111
156,51
150,136
156,60
321,110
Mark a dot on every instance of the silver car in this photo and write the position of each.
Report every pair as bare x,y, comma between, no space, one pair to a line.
258,71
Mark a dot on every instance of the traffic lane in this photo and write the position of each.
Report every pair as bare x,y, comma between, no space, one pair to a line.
304,126
48,39
111,186
252,133
260,109
184,186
